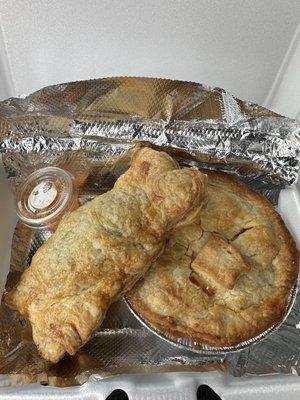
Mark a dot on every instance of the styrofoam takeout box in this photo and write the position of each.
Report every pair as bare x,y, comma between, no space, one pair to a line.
166,386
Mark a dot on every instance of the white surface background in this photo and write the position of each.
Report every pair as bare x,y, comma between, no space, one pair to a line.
235,44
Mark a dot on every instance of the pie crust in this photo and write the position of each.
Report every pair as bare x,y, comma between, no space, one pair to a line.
226,278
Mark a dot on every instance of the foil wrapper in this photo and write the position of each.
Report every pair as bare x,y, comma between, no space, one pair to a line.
89,128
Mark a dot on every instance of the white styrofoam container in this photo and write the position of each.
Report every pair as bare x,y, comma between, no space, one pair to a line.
31,56
234,44
166,386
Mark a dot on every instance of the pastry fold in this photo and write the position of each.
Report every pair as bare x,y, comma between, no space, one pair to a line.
100,250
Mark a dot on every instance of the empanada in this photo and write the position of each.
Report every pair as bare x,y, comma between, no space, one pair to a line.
100,250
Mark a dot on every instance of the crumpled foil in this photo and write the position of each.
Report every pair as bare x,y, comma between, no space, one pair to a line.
89,128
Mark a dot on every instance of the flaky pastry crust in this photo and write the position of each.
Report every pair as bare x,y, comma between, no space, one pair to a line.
226,278
100,250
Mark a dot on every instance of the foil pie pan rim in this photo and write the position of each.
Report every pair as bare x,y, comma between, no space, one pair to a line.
204,349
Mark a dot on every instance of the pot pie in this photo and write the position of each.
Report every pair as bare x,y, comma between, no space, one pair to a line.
224,279
100,250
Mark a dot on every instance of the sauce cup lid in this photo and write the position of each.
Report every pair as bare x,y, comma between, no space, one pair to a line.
44,196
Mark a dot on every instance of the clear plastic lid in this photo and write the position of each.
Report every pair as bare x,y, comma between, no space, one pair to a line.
45,196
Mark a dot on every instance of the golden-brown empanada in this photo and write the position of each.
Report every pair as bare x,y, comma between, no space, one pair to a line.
100,250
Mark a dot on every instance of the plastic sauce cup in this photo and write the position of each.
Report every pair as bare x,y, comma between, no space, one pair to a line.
45,196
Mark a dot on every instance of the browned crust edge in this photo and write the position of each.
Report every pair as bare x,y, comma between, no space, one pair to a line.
274,308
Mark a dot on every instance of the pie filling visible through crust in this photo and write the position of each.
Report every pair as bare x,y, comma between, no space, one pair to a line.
227,277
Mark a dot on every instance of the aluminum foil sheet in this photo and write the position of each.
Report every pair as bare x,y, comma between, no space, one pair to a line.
89,128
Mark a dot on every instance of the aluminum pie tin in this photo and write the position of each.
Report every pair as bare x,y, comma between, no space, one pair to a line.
205,349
